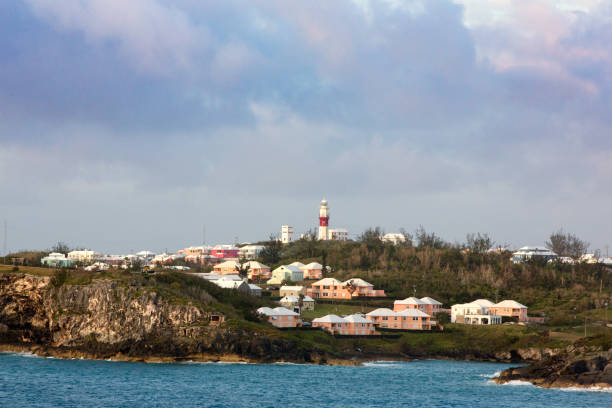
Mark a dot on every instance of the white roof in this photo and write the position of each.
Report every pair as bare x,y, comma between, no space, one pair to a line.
228,264
383,311
255,265
308,299
254,287
412,313
297,264
484,302
430,301
290,298
215,277
410,301
228,284
146,253
510,304
291,268
282,311
357,282
331,318
313,265
277,311
328,282
297,288
356,318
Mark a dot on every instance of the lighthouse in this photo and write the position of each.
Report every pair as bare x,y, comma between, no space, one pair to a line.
323,220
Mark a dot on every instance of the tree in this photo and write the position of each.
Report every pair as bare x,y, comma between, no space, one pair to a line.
479,244
428,240
271,252
371,235
61,247
407,237
566,244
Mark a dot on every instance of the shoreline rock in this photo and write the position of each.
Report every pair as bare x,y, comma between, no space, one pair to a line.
578,366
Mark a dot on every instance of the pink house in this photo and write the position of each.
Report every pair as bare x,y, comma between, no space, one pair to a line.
257,270
407,319
313,270
510,308
353,325
227,268
280,317
330,288
428,305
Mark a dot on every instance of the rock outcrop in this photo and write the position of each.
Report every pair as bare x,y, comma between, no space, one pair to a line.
578,366
109,319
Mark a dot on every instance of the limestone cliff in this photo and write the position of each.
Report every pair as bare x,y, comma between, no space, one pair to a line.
109,319
578,366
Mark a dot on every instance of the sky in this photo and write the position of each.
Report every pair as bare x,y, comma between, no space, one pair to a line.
129,125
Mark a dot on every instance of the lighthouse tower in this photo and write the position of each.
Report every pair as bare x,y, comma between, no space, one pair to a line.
323,220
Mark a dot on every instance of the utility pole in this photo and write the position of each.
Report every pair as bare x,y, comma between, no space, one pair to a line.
4,249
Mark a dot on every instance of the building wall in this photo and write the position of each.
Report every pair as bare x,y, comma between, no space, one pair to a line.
520,313
401,322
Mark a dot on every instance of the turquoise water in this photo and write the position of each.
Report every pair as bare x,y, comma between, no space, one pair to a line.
27,381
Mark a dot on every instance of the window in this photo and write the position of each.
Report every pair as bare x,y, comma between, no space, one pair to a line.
385,318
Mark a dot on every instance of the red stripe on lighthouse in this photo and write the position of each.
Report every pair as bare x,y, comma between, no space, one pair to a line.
323,221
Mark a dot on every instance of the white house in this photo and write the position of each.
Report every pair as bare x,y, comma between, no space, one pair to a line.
250,251
286,273
532,253
394,238
476,312
337,234
84,256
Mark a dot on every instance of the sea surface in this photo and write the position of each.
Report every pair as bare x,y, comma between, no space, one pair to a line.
28,381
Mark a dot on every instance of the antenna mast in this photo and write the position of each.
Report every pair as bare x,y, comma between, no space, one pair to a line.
4,251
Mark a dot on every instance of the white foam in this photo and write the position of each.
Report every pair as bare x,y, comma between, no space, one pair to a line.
587,389
513,383
382,364
28,354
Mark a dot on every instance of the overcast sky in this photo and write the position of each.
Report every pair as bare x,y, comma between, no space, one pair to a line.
131,124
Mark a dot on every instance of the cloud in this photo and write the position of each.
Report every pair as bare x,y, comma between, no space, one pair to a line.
154,117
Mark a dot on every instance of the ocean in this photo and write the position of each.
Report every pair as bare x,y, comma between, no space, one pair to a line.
29,381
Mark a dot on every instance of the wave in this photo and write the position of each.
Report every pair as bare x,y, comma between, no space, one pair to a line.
587,389
382,364
513,383
28,354
494,375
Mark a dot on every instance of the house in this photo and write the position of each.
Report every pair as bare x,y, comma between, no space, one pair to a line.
84,256
56,260
297,264
240,286
357,325
533,253
352,325
313,270
409,303
257,270
476,312
250,251
227,268
510,308
225,251
280,317
330,288
291,291
358,287
97,266
255,290
286,273
296,304
426,304
407,319
394,238
337,234
432,306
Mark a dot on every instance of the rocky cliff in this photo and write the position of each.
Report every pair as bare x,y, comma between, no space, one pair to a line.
578,366
110,319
